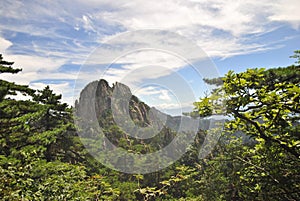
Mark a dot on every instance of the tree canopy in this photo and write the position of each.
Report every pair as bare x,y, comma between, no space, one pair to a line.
257,157
264,105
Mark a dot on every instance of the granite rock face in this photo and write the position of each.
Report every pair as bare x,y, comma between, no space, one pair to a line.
111,117
109,105
96,100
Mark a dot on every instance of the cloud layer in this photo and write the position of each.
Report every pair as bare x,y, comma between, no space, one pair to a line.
43,37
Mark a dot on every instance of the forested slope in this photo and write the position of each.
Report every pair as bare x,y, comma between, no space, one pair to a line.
43,158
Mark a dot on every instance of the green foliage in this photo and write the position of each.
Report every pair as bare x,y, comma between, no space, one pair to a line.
10,88
204,107
40,156
6,67
257,158
264,105
296,56
211,104
179,181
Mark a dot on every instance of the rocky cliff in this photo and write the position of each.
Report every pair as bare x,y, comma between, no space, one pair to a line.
97,97
121,115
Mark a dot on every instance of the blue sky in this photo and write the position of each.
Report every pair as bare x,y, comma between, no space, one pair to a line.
55,42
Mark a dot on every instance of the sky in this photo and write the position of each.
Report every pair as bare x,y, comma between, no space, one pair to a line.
161,49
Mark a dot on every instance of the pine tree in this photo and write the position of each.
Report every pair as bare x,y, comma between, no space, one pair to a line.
38,144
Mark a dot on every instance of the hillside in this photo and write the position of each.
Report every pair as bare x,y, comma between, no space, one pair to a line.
122,149
127,122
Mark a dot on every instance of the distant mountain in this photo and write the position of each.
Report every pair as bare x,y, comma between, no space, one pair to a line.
111,117
116,104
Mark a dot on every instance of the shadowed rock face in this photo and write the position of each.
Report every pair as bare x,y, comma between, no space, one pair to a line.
110,117
99,94
110,103
120,115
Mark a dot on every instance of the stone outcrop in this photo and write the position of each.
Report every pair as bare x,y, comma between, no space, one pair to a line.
100,101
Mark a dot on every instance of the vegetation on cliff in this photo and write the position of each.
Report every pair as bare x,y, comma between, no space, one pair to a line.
43,158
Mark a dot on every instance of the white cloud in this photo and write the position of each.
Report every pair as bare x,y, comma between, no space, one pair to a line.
27,77
57,88
199,20
164,96
161,94
149,90
221,28
164,99
31,63
63,88
87,23
4,44
175,106
235,16
133,57
287,11
147,64
35,68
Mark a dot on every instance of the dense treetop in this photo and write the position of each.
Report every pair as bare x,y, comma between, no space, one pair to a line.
257,157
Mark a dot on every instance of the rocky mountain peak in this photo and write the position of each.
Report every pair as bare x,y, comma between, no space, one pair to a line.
99,94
